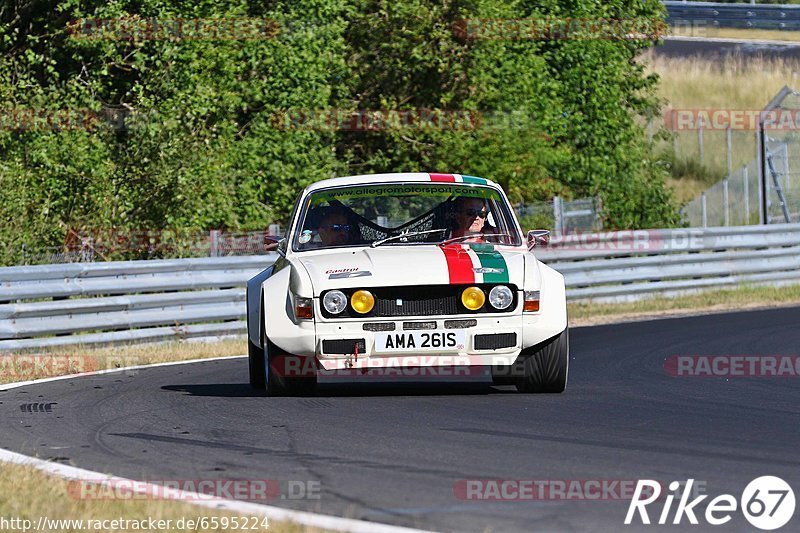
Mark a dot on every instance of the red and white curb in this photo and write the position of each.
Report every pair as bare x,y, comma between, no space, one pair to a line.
323,521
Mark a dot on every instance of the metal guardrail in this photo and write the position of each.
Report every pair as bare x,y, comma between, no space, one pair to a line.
756,16
139,301
124,301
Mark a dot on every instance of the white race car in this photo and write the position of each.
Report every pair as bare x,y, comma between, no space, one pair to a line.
391,274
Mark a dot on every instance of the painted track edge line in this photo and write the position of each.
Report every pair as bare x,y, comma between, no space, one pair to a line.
275,513
219,504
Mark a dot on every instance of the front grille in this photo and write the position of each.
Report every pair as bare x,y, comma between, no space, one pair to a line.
460,324
495,341
416,301
419,325
419,300
378,326
343,346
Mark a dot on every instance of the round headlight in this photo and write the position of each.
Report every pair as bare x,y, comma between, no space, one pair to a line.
500,297
334,302
473,298
362,301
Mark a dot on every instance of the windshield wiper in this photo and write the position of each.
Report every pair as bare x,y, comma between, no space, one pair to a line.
475,236
412,234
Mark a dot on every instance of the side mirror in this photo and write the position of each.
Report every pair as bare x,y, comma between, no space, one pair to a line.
274,244
538,237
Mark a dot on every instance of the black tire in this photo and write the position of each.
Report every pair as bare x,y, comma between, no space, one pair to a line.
546,367
278,384
258,378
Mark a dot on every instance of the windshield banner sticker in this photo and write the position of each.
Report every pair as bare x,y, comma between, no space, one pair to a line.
399,190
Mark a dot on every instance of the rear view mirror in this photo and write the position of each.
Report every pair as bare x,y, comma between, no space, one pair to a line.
538,237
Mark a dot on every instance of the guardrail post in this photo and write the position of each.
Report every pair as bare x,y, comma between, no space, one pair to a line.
700,138
730,151
762,174
558,214
704,209
786,183
726,202
674,139
214,247
746,189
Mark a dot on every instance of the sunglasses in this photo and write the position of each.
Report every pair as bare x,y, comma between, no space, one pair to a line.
338,227
475,213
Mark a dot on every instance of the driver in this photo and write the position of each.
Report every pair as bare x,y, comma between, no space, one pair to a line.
469,217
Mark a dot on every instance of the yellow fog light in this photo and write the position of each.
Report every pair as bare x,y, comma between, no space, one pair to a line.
362,301
473,298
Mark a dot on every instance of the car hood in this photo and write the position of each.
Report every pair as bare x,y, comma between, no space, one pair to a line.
413,265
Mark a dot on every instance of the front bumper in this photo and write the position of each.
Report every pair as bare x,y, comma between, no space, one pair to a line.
470,355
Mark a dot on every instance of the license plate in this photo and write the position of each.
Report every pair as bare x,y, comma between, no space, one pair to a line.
452,340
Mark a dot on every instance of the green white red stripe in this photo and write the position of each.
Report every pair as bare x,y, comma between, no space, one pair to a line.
474,263
457,178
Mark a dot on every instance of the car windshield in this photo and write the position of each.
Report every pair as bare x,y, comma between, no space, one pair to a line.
401,214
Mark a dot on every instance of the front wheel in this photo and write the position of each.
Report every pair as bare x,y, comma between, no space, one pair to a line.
546,367
288,374
257,368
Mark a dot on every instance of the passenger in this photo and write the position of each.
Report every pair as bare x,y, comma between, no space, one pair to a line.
335,228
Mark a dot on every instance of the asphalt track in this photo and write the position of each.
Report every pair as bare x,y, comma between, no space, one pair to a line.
395,455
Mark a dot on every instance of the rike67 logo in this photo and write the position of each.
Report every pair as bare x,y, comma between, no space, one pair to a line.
767,503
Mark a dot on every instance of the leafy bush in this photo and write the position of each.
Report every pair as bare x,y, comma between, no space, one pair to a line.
190,139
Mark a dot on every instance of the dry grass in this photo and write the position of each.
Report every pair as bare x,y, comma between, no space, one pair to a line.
745,297
734,82
76,359
686,188
735,33
28,494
